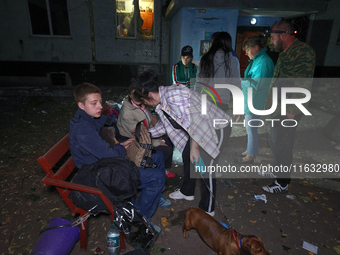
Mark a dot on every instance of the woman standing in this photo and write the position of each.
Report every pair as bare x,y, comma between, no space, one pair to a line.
258,77
193,134
217,65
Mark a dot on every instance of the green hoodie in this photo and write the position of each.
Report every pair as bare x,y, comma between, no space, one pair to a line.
182,74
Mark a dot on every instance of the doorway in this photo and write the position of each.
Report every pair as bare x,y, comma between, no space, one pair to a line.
244,32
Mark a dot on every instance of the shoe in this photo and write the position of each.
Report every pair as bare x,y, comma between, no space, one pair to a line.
212,214
158,229
267,174
163,202
241,160
275,188
177,194
241,154
169,174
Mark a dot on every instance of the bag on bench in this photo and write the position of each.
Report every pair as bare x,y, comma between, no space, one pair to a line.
117,178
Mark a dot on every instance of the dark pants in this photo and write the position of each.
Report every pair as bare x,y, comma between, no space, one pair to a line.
153,180
208,182
281,142
167,151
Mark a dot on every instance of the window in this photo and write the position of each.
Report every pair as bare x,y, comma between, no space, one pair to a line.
49,17
135,18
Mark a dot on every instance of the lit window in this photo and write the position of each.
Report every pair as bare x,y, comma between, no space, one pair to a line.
49,17
135,17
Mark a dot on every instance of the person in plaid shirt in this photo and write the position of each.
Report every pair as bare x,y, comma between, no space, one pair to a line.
194,135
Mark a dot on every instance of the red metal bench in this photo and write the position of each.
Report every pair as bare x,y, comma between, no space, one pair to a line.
58,179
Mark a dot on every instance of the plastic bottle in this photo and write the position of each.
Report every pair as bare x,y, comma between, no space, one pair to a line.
113,240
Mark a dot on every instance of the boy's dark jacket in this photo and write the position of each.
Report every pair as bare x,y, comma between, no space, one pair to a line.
86,145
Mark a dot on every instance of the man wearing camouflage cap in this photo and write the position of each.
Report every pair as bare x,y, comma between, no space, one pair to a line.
296,60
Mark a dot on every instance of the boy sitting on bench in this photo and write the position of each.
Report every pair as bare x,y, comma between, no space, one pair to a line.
87,147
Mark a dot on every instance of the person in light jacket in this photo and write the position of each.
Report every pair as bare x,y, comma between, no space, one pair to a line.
258,77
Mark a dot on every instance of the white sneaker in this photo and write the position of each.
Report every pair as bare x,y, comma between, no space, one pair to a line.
275,188
212,214
177,194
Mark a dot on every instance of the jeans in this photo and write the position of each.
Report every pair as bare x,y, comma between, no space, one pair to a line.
153,180
253,137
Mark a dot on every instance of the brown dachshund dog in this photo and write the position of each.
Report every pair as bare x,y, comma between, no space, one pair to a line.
219,238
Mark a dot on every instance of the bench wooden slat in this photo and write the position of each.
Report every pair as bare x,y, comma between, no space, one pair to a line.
54,154
66,169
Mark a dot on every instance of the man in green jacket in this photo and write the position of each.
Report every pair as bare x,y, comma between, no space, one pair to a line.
296,60
184,70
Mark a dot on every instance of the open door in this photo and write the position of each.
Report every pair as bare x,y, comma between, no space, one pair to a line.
241,36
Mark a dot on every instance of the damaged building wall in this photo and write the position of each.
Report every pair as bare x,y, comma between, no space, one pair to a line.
19,45
92,52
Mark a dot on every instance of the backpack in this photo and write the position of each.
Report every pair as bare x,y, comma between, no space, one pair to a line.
118,178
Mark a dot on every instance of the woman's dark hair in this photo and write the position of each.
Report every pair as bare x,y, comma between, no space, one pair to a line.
221,42
213,36
252,41
145,83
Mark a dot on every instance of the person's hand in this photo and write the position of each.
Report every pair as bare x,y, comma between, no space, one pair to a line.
194,151
162,143
127,142
133,131
290,115
238,117
154,120
195,154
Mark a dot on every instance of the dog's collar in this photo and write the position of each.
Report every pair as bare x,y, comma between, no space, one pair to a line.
238,246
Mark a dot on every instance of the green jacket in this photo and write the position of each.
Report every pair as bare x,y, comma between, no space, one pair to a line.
257,76
298,61
182,74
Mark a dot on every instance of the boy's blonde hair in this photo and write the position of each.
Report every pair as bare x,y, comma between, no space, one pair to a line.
83,90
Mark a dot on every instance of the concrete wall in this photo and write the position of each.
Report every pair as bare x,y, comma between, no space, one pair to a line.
17,43
176,43
188,27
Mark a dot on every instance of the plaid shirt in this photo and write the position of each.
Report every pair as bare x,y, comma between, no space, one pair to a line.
184,106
